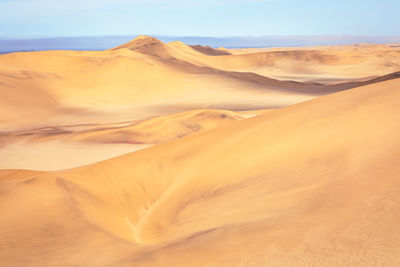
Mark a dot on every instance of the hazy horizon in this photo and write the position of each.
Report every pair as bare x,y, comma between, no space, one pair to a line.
106,42
102,24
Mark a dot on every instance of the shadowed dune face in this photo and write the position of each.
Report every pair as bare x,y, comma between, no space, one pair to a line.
210,51
304,182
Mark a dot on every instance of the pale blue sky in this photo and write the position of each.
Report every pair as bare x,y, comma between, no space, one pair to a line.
46,18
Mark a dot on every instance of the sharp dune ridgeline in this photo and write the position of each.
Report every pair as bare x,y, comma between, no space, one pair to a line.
165,154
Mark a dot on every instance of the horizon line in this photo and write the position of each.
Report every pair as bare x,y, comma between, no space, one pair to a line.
197,36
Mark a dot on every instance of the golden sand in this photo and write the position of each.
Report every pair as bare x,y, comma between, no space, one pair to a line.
285,173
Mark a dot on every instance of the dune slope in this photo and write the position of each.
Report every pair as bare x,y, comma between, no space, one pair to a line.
313,184
82,144
324,64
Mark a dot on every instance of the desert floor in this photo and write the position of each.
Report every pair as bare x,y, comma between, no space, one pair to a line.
165,154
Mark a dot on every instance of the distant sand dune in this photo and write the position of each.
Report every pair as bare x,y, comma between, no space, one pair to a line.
326,64
210,51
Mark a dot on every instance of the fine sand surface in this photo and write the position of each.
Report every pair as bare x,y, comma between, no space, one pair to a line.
77,145
314,184
325,64
155,154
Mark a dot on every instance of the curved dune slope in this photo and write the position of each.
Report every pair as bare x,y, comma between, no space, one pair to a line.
153,130
78,145
313,184
161,129
324,64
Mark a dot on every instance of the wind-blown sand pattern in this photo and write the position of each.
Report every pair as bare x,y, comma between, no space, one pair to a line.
230,166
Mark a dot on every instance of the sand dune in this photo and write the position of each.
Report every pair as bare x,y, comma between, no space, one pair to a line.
327,64
313,184
78,145
165,154
161,129
146,77
147,131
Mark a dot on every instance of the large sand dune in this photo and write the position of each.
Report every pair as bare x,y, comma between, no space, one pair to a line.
313,184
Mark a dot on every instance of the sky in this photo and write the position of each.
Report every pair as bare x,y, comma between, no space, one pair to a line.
58,18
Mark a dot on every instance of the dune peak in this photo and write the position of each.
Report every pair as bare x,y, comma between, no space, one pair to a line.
142,36
145,38
139,42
